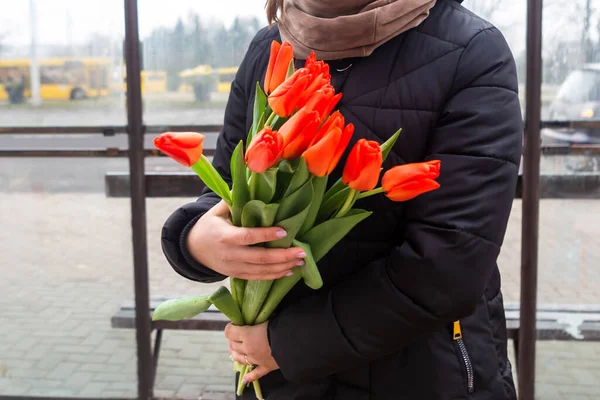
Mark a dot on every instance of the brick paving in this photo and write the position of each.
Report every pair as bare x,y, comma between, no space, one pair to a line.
66,266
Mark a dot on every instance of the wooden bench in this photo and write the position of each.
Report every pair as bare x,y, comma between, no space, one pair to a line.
576,322
211,320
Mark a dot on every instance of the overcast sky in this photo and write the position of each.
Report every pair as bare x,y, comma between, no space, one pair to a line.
106,17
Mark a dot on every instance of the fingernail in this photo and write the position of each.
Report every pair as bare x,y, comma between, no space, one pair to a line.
289,274
300,263
245,381
302,254
281,233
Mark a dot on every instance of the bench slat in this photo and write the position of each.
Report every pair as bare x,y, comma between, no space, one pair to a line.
207,321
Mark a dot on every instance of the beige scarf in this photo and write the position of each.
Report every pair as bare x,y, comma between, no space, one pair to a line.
337,29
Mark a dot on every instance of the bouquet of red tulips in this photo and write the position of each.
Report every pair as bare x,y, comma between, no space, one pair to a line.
280,178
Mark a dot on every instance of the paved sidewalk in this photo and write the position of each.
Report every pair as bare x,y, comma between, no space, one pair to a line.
66,266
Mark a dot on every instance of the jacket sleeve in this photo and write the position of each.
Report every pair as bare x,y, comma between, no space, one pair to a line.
440,267
177,226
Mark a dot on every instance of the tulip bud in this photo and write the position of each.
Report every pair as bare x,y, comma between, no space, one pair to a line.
363,166
279,61
183,147
264,151
323,156
408,181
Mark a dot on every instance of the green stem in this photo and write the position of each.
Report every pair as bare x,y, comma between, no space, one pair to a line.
240,385
369,193
347,204
258,390
270,119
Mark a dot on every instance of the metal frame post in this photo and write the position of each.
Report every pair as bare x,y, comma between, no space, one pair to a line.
138,200
531,205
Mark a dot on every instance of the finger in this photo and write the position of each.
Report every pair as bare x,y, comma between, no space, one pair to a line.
220,209
255,374
234,333
253,272
251,236
261,256
237,357
237,347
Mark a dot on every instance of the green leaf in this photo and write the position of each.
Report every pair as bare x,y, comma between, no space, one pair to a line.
295,203
211,178
310,271
224,301
319,186
332,205
178,309
258,214
254,296
323,237
280,288
260,102
291,69
292,226
339,185
299,178
238,286
240,193
389,144
263,186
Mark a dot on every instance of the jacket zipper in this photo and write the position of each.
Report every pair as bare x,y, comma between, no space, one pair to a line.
458,338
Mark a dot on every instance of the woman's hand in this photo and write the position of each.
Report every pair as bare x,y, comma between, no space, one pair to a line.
226,249
250,345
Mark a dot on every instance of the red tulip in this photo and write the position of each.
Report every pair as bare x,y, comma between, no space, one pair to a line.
335,120
406,182
317,67
324,101
285,98
317,82
363,166
279,62
183,147
323,156
320,78
298,132
264,151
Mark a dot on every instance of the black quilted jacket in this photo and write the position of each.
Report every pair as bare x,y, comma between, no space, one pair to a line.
382,325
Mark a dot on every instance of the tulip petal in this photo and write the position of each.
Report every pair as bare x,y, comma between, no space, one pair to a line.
342,143
319,156
411,190
408,172
275,46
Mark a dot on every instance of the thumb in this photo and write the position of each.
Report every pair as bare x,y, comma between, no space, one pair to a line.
255,374
221,209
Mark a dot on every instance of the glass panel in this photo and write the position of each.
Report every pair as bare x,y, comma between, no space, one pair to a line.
191,53
569,260
78,50
66,264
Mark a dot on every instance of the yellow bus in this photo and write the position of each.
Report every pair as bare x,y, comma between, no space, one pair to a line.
198,80
224,78
69,78
204,80
151,81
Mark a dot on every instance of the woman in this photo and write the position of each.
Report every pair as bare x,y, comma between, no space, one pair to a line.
383,326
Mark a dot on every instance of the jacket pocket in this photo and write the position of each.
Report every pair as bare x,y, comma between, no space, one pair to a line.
464,358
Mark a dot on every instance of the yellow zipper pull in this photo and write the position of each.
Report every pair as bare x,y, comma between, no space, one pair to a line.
457,330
